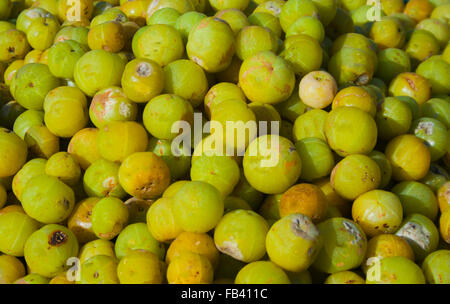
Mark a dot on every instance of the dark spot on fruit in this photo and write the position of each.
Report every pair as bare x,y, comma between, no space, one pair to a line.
376,227
11,49
31,85
95,274
385,225
57,238
65,203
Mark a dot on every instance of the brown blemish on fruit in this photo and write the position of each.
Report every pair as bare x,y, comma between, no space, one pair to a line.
303,227
411,83
65,203
143,69
426,127
57,238
231,248
415,233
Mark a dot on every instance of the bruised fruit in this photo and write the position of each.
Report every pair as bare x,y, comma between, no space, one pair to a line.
421,234
344,245
293,242
234,231
54,244
142,80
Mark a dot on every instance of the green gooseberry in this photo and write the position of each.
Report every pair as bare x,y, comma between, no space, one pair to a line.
15,229
63,166
48,249
98,69
395,270
211,44
292,10
303,53
63,56
197,207
350,130
186,79
272,155
261,272
235,18
186,22
436,177
65,111
47,199
101,179
242,234
393,118
220,171
437,71
310,124
165,113
13,45
13,151
109,217
75,33
159,42
99,269
96,247
355,175
137,237
293,242
391,62
41,32
32,83
307,25
436,267
317,158
166,15
266,20
417,198
254,39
